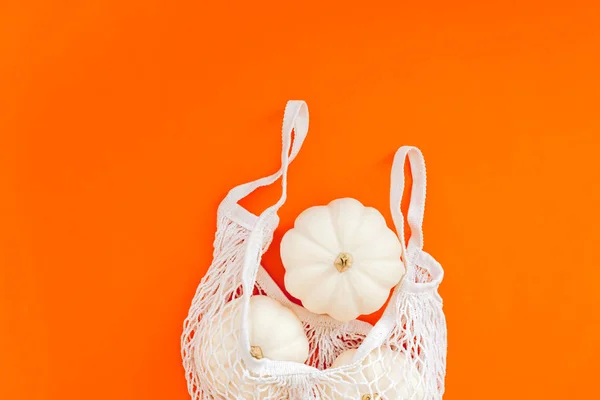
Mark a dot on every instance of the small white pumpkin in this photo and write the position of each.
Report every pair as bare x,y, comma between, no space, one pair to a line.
275,333
341,259
384,370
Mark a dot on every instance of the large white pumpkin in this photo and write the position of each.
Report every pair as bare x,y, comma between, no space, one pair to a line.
341,259
275,333
384,374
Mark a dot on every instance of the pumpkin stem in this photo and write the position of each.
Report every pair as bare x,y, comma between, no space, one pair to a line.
369,397
343,262
256,352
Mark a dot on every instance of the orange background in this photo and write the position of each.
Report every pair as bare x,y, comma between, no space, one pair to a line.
123,124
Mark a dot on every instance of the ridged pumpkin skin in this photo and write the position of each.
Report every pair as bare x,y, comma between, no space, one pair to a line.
384,370
275,332
341,259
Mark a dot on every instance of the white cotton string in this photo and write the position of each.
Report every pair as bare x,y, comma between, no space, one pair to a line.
295,116
416,208
381,330
295,120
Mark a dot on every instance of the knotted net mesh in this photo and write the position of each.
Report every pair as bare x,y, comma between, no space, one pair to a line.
408,365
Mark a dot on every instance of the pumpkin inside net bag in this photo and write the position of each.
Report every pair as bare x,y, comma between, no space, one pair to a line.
403,356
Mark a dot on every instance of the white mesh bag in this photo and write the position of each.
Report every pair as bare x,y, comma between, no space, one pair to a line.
403,356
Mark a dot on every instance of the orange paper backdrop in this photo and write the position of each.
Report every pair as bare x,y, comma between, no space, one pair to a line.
124,123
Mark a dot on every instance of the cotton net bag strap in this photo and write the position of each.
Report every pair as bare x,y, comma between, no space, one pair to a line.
295,120
416,209
387,322
414,254
294,131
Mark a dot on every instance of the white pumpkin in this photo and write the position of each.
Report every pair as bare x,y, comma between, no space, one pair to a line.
275,333
341,259
384,374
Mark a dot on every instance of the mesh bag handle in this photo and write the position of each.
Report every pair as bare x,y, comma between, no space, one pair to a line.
414,254
416,208
295,128
295,120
